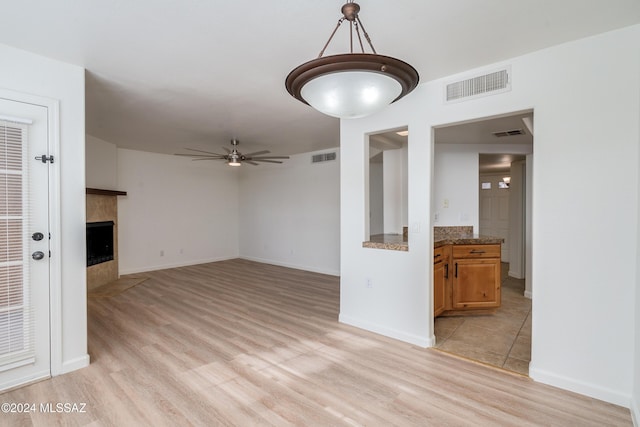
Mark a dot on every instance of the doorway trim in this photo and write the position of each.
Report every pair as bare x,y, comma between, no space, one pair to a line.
55,265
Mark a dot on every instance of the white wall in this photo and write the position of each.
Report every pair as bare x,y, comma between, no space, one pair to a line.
376,198
635,401
396,303
517,195
583,305
176,212
101,162
528,244
456,178
394,193
196,212
290,214
456,174
36,75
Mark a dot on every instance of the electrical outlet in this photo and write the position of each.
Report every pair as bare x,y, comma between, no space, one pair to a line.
369,283
445,203
162,253
436,217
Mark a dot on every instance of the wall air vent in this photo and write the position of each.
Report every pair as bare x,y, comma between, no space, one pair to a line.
323,157
511,132
475,87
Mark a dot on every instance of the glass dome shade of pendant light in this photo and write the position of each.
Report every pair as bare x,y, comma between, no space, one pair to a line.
351,94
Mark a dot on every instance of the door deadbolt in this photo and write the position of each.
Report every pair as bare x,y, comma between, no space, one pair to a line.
38,255
37,236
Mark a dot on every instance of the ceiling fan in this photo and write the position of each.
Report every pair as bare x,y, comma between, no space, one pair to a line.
234,157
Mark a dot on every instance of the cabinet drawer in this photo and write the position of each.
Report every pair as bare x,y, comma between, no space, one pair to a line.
476,251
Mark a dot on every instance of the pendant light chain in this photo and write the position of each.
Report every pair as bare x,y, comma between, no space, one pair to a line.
356,23
351,37
331,36
366,35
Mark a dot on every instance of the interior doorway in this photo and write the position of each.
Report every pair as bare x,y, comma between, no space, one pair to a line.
479,182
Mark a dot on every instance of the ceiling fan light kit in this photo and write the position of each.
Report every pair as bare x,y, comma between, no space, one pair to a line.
351,85
235,157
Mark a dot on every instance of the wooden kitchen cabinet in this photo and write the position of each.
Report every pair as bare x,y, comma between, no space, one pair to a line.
441,259
476,277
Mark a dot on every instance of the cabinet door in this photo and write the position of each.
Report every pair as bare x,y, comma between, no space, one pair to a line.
440,270
476,283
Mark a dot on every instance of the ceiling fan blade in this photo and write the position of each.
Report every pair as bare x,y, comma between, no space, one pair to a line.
257,153
267,161
226,149
250,162
198,155
202,151
209,158
269,157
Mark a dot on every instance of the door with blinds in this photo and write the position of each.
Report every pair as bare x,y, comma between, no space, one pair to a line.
24,244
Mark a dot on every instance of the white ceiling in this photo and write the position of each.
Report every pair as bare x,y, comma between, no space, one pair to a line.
168,74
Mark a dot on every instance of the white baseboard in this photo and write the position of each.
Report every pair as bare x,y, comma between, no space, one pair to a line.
75,364
387,332
327,271
528,294
591,390
635,409
135,270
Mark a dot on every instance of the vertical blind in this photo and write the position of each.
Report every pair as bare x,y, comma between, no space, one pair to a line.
16,315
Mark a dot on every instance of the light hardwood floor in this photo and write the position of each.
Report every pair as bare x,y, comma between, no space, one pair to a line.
243,344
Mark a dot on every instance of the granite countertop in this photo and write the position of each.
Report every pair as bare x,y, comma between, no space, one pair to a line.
461,235
465,239
393,242
453,235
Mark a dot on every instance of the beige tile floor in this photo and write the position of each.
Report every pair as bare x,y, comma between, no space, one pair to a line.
502,339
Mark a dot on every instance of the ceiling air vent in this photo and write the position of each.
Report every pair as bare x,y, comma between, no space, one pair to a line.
508,132
475,87
323,157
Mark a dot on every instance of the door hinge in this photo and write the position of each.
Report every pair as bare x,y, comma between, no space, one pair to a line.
44,158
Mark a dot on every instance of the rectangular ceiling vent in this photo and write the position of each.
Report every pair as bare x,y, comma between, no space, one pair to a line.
323,157
508,132
475,87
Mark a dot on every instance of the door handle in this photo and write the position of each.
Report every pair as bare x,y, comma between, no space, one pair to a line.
456,272
38,255
37,236
446,271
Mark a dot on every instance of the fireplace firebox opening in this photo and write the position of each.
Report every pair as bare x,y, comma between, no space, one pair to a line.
99,242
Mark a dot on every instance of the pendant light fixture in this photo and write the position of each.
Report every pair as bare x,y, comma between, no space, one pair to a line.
351,85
